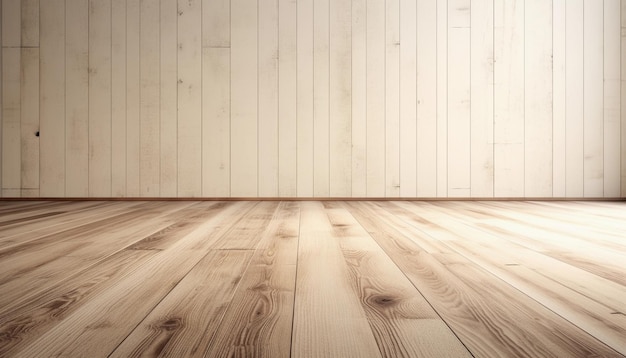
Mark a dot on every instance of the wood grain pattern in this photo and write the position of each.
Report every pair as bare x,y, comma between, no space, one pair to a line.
89,324
188,318
32,229
62,251
247,235
312,279
430,239
259,316
403,322
323,293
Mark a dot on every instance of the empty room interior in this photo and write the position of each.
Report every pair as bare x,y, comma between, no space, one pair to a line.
313,178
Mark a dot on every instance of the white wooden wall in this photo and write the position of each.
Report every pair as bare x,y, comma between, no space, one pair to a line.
313,98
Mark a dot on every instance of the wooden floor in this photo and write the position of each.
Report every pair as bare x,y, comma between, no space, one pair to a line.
313,279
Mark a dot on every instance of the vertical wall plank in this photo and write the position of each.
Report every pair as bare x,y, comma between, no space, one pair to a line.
375,100
408,98
426,98
29,122
482,99
593,122
538,99
100,98
287,89
359,99
190,98
244,99
216,23
612,105
268,99
149,110
216,102
574,98
30,98
304,106
52,98
30,23
77,98
340,98
392,98
133,16
11,115
11,110
442,98
168,101
623,98
118,98
11,23
459,110
216,122
321,160
12,106
509,98
558,98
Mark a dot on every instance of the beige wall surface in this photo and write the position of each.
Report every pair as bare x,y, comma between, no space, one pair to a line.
313,98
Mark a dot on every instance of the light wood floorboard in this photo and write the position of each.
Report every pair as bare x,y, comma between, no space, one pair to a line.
313,279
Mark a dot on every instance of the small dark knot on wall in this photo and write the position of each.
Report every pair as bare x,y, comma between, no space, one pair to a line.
37,134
